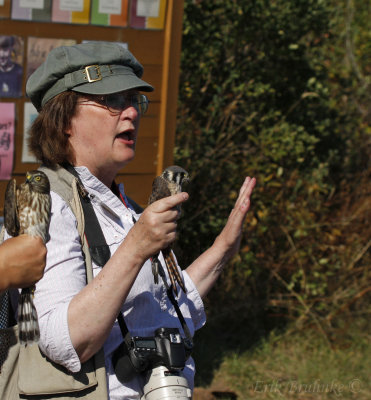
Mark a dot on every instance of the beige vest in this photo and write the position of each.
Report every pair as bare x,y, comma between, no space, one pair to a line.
26,370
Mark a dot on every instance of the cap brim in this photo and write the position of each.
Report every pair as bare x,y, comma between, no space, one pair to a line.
114,84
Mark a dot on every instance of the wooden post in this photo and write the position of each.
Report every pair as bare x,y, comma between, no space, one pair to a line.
170,83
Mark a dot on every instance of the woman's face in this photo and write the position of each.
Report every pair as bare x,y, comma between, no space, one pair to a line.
103,141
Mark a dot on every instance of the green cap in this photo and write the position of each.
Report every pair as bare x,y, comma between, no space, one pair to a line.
91,68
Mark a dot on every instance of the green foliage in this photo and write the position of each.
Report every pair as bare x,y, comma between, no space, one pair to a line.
280,91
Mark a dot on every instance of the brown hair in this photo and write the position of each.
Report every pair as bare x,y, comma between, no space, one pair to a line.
48,139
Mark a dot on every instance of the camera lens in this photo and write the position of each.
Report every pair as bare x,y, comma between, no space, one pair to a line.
166,385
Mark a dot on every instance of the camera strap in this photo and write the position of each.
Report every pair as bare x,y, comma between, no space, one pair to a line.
100,252
170,295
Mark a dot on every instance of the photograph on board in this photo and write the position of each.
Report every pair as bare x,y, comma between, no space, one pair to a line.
11,69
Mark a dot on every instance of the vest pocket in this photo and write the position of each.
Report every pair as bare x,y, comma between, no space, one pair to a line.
37,375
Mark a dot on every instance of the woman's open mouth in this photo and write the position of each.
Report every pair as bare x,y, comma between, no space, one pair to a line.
126,137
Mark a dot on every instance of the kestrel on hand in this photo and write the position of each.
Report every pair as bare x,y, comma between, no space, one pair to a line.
167,184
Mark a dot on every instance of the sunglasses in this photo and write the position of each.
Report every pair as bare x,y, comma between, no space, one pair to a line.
117,102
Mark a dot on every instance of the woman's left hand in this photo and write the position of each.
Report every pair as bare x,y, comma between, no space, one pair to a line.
205,270
230,237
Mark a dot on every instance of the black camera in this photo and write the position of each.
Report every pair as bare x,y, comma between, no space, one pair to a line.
140,354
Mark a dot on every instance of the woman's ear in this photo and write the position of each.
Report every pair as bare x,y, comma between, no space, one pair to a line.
68,131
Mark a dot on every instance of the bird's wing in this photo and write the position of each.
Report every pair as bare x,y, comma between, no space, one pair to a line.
11,221
160,189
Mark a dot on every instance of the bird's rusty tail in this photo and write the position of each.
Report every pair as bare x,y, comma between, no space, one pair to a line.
173,271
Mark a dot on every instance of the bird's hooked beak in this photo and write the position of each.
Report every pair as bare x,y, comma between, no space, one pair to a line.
186,179
28,177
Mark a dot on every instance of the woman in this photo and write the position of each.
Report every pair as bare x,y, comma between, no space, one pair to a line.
90,106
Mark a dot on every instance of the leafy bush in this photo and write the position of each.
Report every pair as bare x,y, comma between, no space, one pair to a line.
265,92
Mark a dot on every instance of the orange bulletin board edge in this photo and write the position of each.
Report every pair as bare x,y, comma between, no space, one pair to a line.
170,84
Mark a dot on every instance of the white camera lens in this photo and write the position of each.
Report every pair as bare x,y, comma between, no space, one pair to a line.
164,384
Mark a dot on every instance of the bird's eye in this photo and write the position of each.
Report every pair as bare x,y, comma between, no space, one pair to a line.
37,178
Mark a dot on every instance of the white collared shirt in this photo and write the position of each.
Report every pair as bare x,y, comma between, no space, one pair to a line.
146,308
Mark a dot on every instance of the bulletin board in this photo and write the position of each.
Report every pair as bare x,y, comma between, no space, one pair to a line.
151,29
